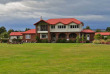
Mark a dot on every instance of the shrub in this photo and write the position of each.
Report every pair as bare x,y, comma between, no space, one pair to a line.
97,37
82,38
16,40
4,40
87,41
77,39
96,41
58,41
63,41
70,41
102,41
108,37
74,41
44,41
38,39
108,40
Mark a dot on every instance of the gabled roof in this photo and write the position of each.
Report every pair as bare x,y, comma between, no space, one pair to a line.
103,33
16,34
87,31
31,31
65,21
41,21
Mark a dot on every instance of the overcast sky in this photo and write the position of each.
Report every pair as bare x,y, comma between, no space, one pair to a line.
21,14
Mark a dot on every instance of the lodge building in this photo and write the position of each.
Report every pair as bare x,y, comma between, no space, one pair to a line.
54,29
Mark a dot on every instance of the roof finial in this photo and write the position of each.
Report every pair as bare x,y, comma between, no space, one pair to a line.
41,18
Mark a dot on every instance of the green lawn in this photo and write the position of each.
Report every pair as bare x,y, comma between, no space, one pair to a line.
54,59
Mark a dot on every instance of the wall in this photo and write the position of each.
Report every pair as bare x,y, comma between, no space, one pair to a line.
33,38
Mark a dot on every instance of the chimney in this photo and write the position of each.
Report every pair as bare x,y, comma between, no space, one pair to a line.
41,18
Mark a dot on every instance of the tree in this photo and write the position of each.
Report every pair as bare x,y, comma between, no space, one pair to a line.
82,37
98,30
4,35
10,30
38,39
98,37
77,39
27,29
2,29
87,27
108,29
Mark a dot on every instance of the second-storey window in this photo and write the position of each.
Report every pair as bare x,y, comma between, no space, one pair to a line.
43,27
52,26
61,26
28,36
74,26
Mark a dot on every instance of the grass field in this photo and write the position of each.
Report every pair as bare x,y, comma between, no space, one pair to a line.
54,59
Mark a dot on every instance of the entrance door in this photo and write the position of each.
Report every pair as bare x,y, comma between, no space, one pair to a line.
88,37
53,36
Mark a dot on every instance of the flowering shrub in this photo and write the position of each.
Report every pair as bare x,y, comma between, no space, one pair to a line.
102,41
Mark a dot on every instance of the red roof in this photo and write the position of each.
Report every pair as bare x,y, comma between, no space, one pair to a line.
61,20
31,31
103,33
88,31
16,34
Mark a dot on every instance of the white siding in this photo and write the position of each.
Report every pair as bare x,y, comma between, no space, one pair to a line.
67,29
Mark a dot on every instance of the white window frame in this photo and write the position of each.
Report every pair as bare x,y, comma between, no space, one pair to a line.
46,36
28,36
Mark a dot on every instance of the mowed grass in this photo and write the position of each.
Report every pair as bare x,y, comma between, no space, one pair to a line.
54,59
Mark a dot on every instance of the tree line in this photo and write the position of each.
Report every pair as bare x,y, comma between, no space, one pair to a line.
5,33
99,30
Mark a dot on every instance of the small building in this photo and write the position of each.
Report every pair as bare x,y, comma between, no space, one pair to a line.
105,34
27,36
15,35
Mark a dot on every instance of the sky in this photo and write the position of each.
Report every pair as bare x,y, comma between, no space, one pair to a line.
21,14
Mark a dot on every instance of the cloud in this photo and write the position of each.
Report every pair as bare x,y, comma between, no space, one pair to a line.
84,10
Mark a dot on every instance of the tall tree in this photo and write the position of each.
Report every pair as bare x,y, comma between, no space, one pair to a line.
108,29
2,29
87,27
10,30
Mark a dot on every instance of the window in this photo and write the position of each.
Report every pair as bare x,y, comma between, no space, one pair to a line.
74,26
72,35
28,36
43,36
43,27
53,27
62,26
77,26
